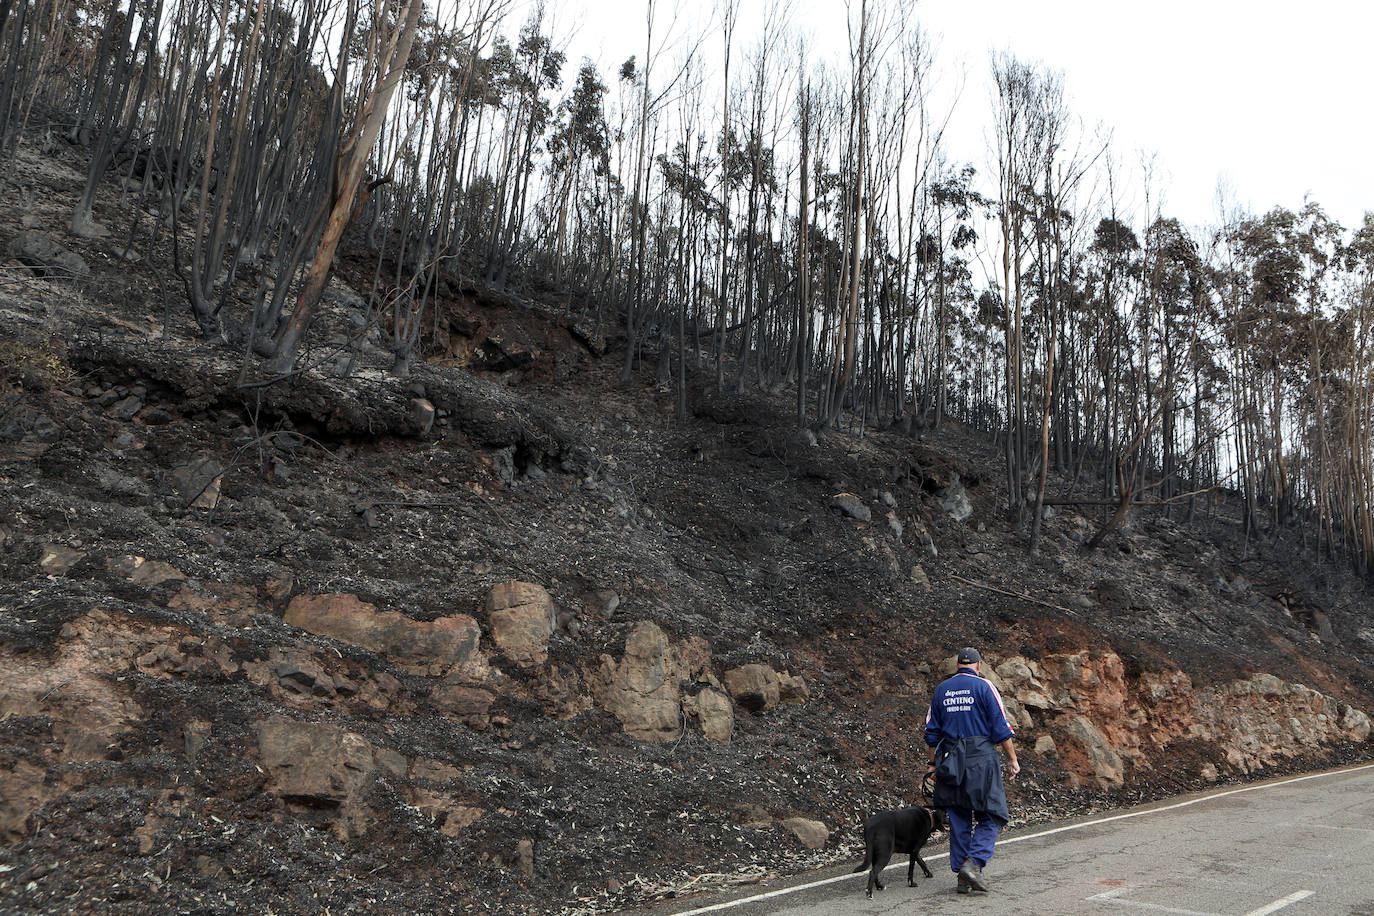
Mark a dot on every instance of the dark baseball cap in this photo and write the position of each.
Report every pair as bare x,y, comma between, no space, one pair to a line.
968,655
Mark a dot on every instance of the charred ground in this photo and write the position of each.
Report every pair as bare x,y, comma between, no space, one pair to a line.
542,467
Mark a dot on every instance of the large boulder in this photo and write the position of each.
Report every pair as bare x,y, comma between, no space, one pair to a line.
429,647
643,689
522,618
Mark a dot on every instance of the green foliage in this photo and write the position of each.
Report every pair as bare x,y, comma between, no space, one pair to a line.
34,364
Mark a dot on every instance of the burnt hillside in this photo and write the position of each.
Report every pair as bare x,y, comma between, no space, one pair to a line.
506,636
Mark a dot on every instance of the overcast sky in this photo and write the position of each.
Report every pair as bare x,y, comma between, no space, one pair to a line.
1271,99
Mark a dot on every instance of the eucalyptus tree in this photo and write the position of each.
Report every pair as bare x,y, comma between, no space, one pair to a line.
1029,124
387,43
956,204
579,150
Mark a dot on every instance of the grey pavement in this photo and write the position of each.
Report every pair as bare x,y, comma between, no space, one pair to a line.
1300,846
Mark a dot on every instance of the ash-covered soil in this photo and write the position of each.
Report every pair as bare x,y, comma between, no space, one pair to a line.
188,505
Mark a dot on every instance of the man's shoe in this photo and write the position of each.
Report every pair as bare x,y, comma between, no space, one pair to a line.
963,887
972,872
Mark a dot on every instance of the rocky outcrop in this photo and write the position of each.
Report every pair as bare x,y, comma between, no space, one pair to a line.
757,687
643,689
86,709
754,687
954,500
522,618
58,559
427,647
1105,722
142,571
38,251
811,833
321,766
714,712
650,688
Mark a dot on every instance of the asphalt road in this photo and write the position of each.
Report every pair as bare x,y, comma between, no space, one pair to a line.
1300,846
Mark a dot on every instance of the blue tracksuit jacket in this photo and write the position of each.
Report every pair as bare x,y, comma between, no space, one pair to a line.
965,723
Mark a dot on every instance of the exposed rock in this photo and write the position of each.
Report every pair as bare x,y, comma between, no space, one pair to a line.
449,816
280,584
792,688
304,676
954,500
917,532
195,734
226,602
522,618
87,708
812,834
142,571
1106,764
562,693
119,484
57,560
607,602
852,506
1023,685
126,408
432,647
1260,720
642,690
198,482
1045,746
324,767
470,705
23,790
755,687
716,714
1356,723
45,257
421,416
155,416
524,857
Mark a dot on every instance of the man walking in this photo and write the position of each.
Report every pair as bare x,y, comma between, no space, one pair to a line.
964,727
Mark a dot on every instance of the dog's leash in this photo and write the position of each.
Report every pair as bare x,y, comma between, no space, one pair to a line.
928,799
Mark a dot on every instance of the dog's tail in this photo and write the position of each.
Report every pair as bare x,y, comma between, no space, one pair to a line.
867,863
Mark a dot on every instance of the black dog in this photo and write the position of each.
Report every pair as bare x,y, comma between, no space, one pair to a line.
904,830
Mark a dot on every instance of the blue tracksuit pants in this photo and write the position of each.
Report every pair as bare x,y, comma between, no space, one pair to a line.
970,841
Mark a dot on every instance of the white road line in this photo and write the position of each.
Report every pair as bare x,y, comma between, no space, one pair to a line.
1280,904
1183,804
782,892
1112,896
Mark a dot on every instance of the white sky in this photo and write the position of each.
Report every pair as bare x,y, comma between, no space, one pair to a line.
1269,98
